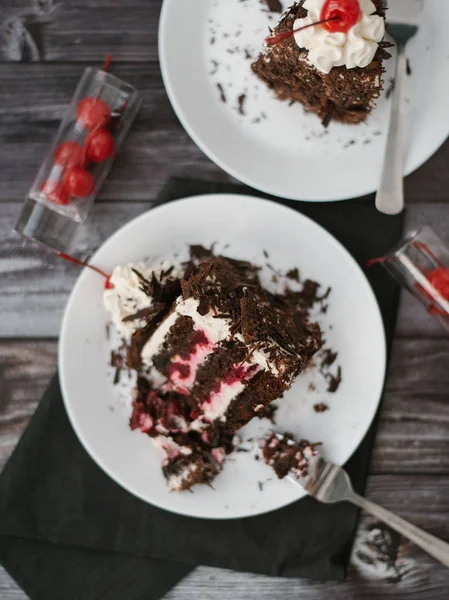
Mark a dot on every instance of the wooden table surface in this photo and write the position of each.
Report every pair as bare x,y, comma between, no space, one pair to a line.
410,466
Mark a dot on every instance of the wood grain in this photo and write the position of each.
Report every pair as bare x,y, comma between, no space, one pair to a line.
156,147
40,283
74,30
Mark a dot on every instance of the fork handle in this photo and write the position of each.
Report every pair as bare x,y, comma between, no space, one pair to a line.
431,544
390,196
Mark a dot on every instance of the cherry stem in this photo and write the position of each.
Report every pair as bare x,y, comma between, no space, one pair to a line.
107,62
428,251
271,41
84,264
376,261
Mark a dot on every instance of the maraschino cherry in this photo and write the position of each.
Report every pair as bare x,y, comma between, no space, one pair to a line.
100,145
336,16
69,154
439,278
78,181
340,15
93,112
55,192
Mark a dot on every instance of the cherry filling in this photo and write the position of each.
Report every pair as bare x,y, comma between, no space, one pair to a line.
182,371
158,415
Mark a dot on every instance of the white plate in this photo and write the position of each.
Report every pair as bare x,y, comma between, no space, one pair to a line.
250,225
288,153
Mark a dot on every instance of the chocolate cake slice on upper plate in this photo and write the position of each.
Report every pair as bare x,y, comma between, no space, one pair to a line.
333,68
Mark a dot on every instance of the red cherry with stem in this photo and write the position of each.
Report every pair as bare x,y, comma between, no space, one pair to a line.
108,285
100,145
275,39
69,154
55,192
93,112
344,15
78,181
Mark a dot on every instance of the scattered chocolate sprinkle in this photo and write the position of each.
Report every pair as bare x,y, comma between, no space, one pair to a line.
265,253
117,375
222,94
212,40
215,65
321,407
333,381
248,54
260,484
240,449
116,359
108,333
241,101
408,67
312,387
329,358
390,88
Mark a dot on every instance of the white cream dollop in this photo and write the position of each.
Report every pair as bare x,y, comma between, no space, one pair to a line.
126,297
356,48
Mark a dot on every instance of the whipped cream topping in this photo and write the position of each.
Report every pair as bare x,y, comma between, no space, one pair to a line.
356,48
126,297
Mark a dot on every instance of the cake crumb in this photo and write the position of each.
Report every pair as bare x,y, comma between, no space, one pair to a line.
321,407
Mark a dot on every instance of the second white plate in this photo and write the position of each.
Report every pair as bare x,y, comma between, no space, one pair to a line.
206,49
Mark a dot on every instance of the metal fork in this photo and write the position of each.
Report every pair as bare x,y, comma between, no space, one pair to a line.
329,483
403,21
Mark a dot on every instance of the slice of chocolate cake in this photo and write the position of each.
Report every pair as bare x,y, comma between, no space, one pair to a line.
210,358
334,68
286,455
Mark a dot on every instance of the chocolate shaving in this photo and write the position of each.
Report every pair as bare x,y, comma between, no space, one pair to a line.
334,381
241,101
293,274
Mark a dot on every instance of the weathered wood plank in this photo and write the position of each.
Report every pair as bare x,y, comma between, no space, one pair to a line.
156,147
74,30
25,371
382,567
413,435
40,283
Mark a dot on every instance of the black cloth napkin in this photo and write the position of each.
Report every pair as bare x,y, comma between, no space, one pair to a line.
68,532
